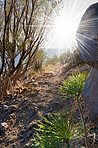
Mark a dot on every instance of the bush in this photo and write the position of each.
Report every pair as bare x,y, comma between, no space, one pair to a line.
37,61
74,85
51,61
65,58
73,88
56,131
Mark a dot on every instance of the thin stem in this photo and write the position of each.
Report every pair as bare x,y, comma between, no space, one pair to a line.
83,122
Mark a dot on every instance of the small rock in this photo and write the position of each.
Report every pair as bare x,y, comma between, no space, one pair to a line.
26,99
5,107
35,84
33,80
41,83
50,109
40,106
36,108
22,115
32,124
23,140
12,107
29,133
12,115
21,136
14,145
67,73
3,126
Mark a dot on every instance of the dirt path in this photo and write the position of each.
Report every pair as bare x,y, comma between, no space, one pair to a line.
39,97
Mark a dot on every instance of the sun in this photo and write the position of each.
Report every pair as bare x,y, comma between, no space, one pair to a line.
65,29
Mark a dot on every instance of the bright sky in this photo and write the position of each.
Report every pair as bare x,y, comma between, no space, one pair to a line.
66,24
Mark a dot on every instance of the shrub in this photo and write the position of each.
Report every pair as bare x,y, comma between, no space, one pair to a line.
65,58
37,61
73,88
51,61
74,85
56,131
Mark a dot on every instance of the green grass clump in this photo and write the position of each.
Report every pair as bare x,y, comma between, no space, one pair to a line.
73,88
56,131
74,85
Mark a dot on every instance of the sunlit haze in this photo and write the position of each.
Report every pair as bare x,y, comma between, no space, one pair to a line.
65,28
62,37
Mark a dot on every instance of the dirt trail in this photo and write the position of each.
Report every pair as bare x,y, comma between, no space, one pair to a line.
39,97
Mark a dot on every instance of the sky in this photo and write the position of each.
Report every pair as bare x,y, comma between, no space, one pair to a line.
63,38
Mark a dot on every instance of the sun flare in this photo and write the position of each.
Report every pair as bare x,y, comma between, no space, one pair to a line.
65,28
62,36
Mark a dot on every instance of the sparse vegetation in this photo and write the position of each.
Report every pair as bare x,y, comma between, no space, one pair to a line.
74,85
60,129
73,88
37,60
51,61
65,58
40,96
22,32
57,131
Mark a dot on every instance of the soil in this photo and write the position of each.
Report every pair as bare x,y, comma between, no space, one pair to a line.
33,98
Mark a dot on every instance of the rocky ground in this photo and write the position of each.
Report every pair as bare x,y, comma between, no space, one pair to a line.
36,97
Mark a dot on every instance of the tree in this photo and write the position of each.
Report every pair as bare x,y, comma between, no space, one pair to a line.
65,57
37,61
23,30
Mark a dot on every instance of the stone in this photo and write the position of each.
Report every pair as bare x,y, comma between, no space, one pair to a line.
32,124
87,36
34,84
5,107
12,107
29,133
12,115
41,83
90,94
14,145
23,140
87,40
3,126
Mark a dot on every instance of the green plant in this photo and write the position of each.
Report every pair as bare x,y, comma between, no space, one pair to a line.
38,60
65,57
51,61
56,131
73,88
74,85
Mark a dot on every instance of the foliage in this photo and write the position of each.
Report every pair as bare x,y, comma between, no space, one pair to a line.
51,61
56,131
65,58
22,32
37,61
73,88
74,85
62,59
